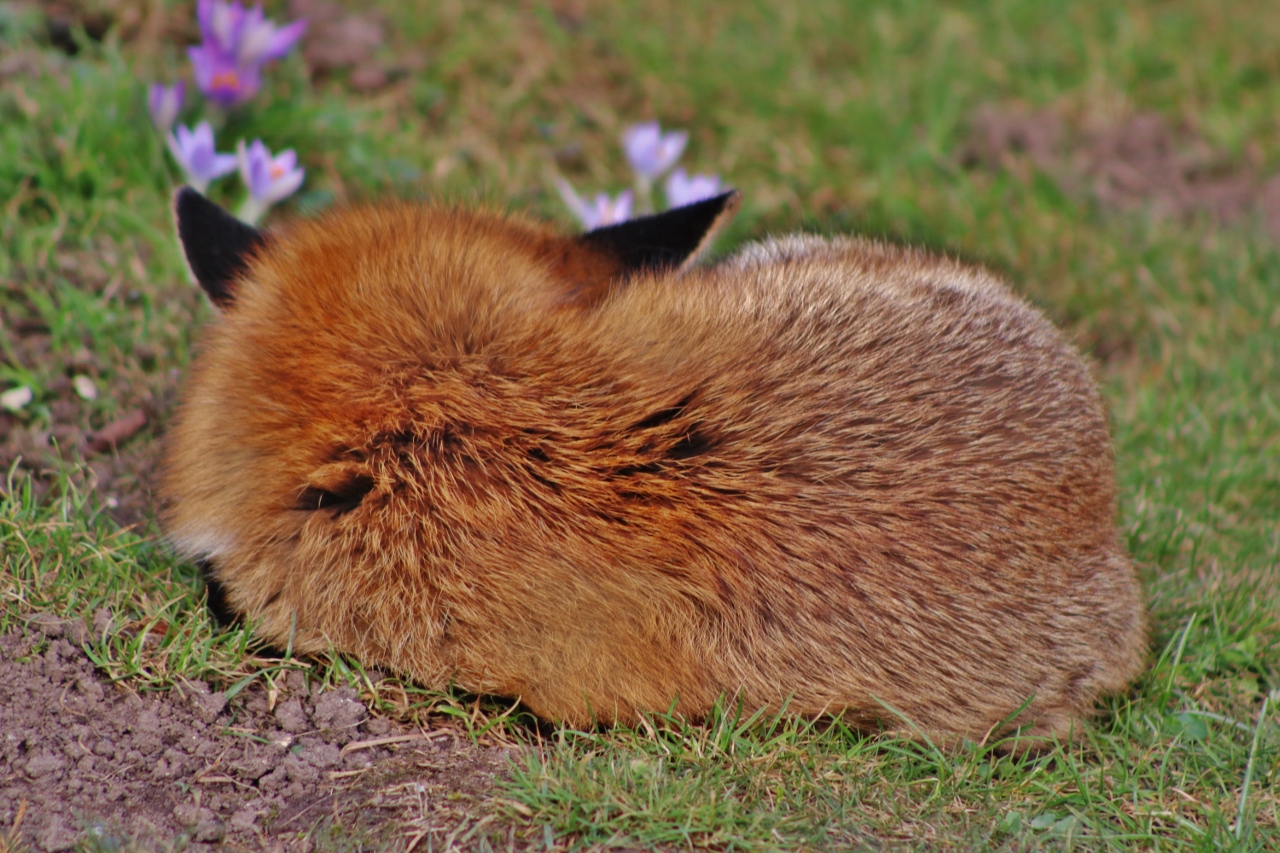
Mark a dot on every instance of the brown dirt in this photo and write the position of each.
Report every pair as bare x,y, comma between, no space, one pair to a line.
1142,162
87,762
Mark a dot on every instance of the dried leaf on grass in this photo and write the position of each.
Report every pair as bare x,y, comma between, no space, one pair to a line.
117,432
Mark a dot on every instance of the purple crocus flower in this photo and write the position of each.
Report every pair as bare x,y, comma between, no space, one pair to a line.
165,102
650,151
237,41
195,153
221,78
601,211
245,34
268,178
682,189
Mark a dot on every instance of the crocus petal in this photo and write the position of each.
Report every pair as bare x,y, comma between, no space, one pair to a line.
284,184
260,168
604,210
202,65
204,17
202,135
682,189
285,38
256,38
177,150
650,151
264,41
223,164
670,148
195,153
619,209
584,212
286,160
221,79
638,143
226,24
164,103
249,158
269,179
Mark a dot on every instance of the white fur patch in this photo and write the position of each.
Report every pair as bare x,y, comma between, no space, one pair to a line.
202,544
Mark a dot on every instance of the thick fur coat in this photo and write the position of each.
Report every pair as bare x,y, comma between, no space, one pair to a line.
834,475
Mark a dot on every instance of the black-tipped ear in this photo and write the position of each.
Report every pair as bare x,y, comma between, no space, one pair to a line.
670,240
217,245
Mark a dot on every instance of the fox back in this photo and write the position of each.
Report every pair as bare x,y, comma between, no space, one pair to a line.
831,475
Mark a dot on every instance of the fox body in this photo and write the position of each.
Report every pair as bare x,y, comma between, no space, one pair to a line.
830,475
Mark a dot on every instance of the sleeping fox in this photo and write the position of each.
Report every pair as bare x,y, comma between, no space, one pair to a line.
830,475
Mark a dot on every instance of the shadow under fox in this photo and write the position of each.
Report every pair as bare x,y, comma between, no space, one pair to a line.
581,471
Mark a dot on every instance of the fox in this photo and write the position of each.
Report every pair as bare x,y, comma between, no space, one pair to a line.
824,476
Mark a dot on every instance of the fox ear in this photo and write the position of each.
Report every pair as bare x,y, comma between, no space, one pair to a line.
669,240
217,245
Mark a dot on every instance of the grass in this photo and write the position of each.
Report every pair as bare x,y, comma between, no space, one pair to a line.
836,117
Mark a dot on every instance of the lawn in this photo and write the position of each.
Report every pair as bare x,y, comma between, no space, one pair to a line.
1116,162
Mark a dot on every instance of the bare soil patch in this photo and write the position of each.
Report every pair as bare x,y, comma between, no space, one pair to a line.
84,761
1144,161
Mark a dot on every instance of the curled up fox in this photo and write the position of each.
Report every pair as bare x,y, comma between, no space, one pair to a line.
830,475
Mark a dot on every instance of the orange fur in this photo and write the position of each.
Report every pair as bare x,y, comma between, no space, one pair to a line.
836,473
